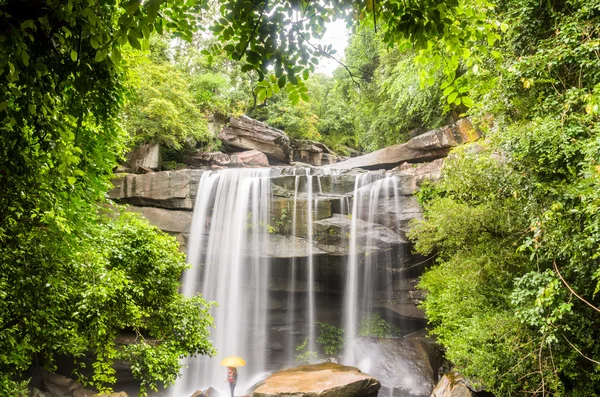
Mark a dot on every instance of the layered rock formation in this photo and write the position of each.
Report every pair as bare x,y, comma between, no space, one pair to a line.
314,153
429,146
246,133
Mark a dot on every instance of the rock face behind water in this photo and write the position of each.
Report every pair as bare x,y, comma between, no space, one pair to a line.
319,380
429,146
246,133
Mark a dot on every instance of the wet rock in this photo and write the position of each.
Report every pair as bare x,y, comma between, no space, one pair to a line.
281,246
166,189
330,184
429,146
210,392
250,158
206,158
404,366
395,213
319,380
282,211
118,394
246,133
332,235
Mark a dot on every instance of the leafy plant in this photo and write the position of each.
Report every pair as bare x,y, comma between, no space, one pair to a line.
330,338
305,356
376,326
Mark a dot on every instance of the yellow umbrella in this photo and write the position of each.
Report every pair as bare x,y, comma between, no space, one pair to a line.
233,361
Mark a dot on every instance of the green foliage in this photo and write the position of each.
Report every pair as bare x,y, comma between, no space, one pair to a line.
61,91
297,120
305,356
375,326
330,339
162,109
515,214
282,225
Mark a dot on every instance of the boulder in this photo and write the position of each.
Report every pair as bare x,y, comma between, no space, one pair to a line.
246,133
452,385
166,220
250,158
166,189
117,394
84,393
210,392
199,159
319,380
145,157
404,366
429,146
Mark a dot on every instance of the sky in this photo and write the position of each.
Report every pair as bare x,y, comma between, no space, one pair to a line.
336,35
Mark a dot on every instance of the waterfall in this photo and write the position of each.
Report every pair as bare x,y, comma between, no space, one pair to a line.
234,225
229,226
372,191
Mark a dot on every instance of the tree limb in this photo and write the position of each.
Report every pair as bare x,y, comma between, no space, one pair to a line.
572,291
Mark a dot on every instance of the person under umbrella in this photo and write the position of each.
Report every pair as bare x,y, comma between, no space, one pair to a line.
232,363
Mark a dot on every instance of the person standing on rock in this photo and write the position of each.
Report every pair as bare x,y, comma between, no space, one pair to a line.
232,378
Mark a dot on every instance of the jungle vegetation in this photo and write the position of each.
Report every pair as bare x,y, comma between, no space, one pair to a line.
513,223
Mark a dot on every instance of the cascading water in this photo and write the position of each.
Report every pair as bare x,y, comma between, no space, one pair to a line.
372,192
232,228
229,224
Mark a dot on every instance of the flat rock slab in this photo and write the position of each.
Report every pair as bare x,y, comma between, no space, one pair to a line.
319,380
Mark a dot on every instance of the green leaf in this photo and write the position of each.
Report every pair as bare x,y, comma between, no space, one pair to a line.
448,90
25,58
132,6
3,105
135,43
115,55
71,180
305,74
467,101
452,97
262,95
281,82
101,55
74,55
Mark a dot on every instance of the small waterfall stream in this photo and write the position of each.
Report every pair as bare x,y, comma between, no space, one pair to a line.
371,191
232,229
229,225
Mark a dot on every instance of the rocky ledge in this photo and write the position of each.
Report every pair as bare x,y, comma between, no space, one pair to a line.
319,380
